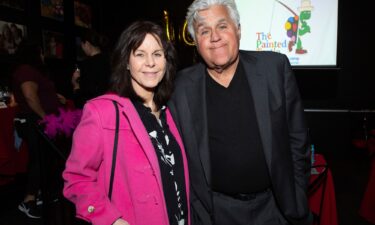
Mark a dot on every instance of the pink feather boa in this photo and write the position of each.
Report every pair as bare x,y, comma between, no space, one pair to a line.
62,124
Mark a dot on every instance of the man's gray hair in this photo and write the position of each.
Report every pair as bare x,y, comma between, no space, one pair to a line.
198,5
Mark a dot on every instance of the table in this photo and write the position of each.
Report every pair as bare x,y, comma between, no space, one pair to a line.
321,194
11,160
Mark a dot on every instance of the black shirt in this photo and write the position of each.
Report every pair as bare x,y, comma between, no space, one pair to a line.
237,157
169,155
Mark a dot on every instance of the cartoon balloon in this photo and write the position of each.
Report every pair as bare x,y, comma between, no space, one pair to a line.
294,27
289,33
288,25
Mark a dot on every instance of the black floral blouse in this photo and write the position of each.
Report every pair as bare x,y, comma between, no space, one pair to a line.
170,162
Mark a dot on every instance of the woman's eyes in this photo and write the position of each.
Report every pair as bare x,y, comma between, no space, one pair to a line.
157,54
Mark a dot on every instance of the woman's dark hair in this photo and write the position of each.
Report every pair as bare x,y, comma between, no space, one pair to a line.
129,41
95,39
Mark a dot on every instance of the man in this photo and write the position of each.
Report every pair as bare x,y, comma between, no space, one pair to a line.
241,118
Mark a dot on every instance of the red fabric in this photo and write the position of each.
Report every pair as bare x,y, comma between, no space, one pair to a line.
367,209
325,193
11,161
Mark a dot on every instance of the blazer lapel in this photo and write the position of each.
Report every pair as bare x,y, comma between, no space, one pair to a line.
197,105
258,86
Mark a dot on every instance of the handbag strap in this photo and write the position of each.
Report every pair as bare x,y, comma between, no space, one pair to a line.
114,151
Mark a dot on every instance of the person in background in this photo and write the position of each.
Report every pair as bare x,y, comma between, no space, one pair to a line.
150,184
36,96
242,122
91,77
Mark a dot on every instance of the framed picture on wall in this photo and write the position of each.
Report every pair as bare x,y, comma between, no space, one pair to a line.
53,9
15,4
53,44
82,14
11,36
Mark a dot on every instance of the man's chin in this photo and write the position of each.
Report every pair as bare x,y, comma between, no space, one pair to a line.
221,66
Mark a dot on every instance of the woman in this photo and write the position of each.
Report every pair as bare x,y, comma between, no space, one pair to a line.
36,96
151,179
92,77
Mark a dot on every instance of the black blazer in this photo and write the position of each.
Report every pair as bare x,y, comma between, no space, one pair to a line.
283,131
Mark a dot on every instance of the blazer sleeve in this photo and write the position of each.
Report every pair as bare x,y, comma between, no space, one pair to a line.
82,170
298,139
297,128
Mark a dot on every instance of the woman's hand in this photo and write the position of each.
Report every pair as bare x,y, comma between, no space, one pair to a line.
120,222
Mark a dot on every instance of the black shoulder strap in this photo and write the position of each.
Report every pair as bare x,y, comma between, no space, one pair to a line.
114,151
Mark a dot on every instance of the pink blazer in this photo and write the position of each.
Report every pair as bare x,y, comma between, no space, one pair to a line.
137,194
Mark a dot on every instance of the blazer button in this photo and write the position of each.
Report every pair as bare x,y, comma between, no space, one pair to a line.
91,209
